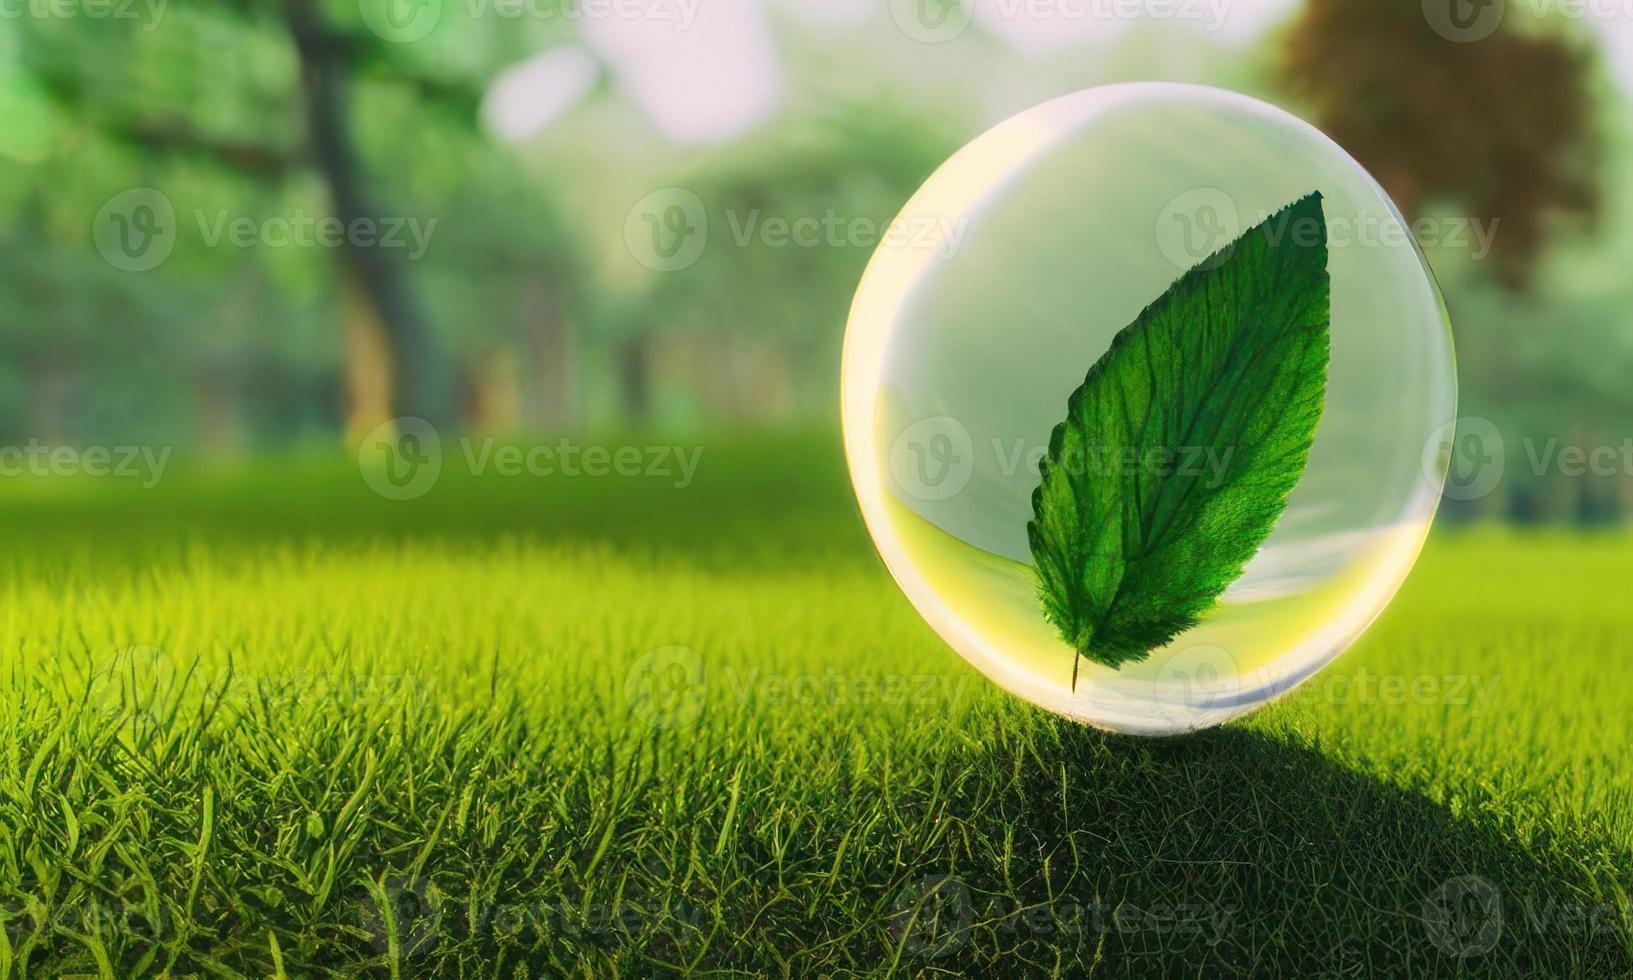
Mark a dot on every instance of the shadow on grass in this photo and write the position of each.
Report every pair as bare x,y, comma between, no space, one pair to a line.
1234,853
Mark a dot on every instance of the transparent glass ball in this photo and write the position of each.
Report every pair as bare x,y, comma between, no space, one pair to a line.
1006,277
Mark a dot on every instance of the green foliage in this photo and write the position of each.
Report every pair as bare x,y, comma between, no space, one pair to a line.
1504,127
208,107
1132,543
850,171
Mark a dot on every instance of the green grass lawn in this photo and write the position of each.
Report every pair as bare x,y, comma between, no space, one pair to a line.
261,722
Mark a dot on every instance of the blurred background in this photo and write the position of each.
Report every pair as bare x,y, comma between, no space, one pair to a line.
247,226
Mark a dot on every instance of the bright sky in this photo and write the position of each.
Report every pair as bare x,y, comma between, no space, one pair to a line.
1042,26
527,97
706,71
702,72
1617,35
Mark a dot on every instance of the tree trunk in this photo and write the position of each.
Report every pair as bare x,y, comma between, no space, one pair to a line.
217,418
368,362
493,399
49,395
551,396
1524,505
635,378
417,388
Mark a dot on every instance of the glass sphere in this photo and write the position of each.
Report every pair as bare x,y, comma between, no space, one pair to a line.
1005,279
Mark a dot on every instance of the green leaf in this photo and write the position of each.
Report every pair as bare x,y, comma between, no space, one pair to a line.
1182,444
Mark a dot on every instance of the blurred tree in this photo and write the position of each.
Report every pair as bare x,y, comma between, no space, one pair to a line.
509,283
1511,128
1502,126
291,109
794,214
